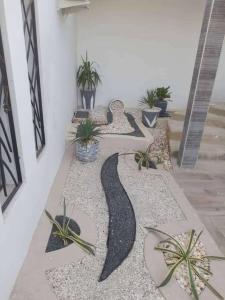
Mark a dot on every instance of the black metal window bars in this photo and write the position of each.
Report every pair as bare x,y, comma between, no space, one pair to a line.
10,174
30,34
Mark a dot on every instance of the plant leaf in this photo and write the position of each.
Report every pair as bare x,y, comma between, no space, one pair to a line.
53,221
209,286
191,280
171,243
170,274
83,245
190,242
195,243
168,251
214,257
77,237
170,236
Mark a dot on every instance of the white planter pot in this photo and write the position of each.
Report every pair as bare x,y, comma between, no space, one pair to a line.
86,153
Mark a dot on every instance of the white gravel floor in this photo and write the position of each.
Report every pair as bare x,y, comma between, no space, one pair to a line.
153,204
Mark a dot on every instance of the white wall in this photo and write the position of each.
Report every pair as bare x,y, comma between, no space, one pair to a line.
142,44
57,66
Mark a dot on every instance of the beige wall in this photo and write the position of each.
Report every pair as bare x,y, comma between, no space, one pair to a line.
142,44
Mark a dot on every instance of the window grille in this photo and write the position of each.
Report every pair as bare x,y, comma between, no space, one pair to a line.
10,174
30,34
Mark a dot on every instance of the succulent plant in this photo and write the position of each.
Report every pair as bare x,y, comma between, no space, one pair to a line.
86,132
65,233
184,255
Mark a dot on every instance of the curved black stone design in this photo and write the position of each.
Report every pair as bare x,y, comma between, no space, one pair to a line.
54,242
137,131
122,221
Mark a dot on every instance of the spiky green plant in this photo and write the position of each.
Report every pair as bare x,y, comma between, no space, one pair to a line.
87,132
66,234
163,93
143,159
148,158
185,255
87,75
150,99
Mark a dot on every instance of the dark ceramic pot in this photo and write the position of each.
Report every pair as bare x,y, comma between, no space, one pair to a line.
150,116
88,99
163,105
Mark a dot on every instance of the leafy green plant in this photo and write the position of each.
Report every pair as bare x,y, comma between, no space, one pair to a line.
180,255
149,158
87,75
66,234
163,93
86,132
143,159
150,99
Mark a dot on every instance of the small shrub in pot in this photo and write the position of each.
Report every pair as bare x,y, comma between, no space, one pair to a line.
150,113
163,95
86,141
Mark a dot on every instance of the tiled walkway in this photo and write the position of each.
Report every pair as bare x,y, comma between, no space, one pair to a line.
205,189
204,186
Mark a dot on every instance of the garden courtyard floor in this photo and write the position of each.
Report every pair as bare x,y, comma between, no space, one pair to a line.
70,274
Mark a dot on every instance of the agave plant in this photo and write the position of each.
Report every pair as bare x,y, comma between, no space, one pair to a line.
87,75
184,255
148,158
150,99
143,160
163,93
66,234
86,133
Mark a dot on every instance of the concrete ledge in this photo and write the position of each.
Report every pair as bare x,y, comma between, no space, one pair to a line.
155,260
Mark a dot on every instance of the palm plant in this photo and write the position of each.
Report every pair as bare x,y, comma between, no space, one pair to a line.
87,132
163,93
150,99
66,234
87,75
184,255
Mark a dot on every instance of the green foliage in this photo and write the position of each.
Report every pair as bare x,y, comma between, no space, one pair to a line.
66,234
148,157
163,93
87,132
143,159
185,254
150,99
87,75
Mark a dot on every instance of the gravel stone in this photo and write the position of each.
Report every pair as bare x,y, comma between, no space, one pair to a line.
153,203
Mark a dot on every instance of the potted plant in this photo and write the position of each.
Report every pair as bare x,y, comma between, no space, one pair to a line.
87,80
86,141
151,112
163,94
